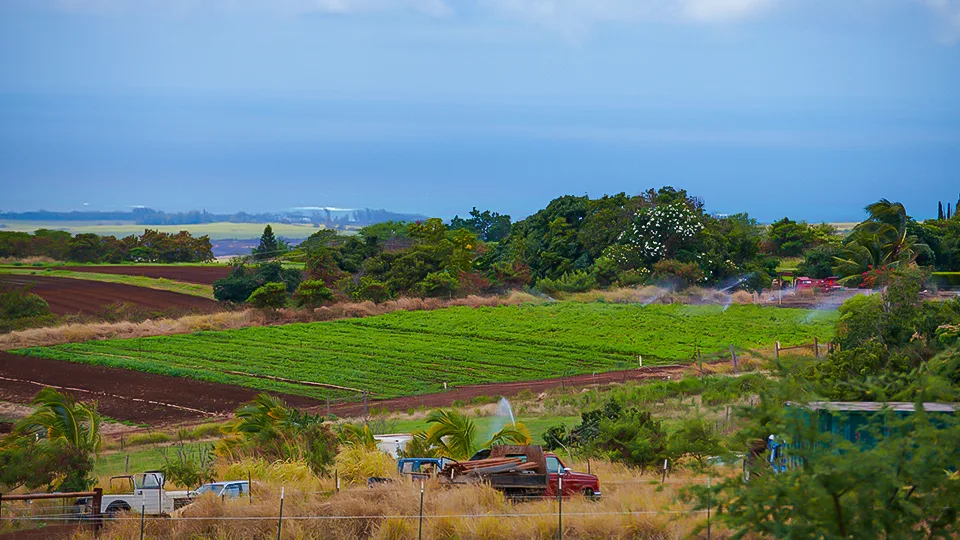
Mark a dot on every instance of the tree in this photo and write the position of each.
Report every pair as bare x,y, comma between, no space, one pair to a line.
64,436
695,438
882,240
455,435
940,214
267,428
272,295
818,262
898,486
488,226
311,294
269,246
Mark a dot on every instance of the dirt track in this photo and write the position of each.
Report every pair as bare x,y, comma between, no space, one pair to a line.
205,275
67,296
159,399
125,394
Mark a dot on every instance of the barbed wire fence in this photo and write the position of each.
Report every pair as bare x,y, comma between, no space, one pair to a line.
263,509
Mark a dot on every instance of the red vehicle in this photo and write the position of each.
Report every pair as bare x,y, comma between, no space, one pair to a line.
825,284
521,472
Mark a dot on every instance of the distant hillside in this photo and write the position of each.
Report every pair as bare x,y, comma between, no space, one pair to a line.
334,218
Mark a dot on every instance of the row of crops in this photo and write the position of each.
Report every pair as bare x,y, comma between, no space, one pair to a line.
407,353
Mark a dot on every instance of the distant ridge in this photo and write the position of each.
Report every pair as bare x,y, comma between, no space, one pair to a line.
334,218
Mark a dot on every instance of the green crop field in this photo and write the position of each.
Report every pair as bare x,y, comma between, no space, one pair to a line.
406,353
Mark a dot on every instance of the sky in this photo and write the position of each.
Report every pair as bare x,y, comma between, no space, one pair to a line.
804,108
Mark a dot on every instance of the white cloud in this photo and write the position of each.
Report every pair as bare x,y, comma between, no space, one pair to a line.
947,13
431,8
576,17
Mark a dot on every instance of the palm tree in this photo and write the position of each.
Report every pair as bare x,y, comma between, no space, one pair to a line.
455,435
354,435
881,240
59,418
63,428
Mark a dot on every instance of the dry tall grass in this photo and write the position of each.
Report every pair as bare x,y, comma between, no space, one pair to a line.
633,507
69,333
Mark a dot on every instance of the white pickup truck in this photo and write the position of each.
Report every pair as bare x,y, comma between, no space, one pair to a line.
145,492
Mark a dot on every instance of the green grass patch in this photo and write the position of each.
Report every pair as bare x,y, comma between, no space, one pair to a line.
405,353
193,289
140,459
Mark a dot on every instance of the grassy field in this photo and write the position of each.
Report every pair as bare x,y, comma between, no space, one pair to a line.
405,353
195,289
216,231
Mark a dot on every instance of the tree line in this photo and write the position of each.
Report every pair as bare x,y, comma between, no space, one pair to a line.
152,246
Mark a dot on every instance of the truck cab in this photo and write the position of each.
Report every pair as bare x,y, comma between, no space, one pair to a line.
144,491
574,483
421,468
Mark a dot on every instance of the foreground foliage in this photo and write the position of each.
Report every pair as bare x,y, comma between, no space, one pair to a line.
52,447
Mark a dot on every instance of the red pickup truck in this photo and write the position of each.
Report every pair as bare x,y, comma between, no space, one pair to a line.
521,472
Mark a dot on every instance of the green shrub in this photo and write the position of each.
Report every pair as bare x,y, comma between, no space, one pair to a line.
271,296
20,303
312,293
569,282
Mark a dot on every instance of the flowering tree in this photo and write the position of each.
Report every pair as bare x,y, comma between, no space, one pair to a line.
658,233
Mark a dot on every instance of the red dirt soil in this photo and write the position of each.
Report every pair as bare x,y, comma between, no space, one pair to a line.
205,275
68,296
125,394
159,399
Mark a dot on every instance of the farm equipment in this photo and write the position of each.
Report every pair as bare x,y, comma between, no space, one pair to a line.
521,472
146,494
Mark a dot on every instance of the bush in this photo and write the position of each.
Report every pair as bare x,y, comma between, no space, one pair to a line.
438,284
270,296
634,438
569,282
680,274
312,293
20,303
356,463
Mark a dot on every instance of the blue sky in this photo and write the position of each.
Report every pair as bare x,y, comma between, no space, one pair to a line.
806,108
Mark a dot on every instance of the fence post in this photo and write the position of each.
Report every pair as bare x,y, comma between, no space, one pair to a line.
143,512
663,477
280,518
560,507
328,406
336,478
95,510
708,508
816,348
777,349
126,464
733,357
249,488
420,531
364,403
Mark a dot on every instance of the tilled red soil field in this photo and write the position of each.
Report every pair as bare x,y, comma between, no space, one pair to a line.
124,394
67,296
160,399
464,393
205,275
